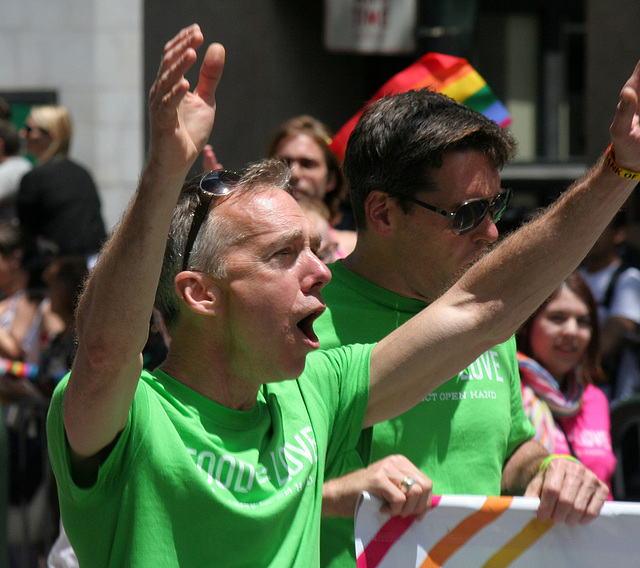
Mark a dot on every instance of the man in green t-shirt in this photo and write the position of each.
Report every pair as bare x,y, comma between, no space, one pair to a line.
423,175
218,457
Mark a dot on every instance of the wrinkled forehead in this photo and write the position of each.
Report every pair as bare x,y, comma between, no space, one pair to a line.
263,210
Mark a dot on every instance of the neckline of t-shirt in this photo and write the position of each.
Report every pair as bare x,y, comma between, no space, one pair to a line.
374,292
222,415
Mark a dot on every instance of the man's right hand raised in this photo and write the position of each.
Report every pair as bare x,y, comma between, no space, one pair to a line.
181,120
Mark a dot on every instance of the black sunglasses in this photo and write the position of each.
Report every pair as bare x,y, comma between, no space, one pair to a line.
29,129
471,213
213,184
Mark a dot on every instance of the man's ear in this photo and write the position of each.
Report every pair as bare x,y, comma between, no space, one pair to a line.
379,210
199,291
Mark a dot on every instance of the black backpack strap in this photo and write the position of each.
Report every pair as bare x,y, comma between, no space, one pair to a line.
608,295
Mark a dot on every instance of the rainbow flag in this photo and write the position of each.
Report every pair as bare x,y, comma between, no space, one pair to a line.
493,532
452,76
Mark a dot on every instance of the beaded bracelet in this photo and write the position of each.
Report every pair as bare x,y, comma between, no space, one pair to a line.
545,461
616,168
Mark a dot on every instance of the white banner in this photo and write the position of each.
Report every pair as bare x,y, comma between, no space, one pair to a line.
494,532
370,26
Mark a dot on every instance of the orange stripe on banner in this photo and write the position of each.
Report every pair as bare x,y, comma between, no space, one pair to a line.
455,539
531,532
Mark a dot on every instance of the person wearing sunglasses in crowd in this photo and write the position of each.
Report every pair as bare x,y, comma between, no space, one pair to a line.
58,199
423,174
218,457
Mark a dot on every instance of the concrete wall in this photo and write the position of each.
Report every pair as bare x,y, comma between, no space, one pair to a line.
90,53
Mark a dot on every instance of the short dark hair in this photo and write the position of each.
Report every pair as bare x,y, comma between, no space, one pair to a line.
400,138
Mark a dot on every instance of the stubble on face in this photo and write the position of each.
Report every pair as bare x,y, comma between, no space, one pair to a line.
462,270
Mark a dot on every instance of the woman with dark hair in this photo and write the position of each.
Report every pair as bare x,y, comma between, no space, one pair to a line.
559,362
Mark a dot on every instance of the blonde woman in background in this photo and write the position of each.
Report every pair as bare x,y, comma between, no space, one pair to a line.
58,199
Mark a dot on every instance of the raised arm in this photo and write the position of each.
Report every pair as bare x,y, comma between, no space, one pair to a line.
493,298
115,310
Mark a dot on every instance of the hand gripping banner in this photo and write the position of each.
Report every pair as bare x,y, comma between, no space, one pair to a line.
469,531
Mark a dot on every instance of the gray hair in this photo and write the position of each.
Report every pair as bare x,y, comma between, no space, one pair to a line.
216,235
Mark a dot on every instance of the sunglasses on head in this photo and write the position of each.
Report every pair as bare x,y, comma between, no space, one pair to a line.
471,213
213,184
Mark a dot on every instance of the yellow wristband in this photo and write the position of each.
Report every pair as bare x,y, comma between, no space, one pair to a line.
545,461
616,168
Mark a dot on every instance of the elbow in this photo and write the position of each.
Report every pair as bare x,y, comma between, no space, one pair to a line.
103,350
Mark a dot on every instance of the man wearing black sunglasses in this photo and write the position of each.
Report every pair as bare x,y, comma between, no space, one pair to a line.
218,458
423,172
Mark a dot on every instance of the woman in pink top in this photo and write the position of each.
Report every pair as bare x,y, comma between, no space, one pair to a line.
559,362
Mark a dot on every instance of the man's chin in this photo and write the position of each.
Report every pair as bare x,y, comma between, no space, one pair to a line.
463,269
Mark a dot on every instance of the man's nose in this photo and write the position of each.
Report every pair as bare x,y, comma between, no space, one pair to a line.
487,231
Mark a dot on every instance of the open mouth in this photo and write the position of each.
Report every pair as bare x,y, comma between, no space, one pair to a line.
305,325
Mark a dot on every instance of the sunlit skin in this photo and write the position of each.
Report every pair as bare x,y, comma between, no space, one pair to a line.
561,333
309,173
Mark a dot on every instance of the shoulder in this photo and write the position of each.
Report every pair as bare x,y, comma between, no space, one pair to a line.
630,275
594,396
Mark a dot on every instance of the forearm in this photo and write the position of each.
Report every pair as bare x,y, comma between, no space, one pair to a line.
519,275
9,346
115,310
114,313
113,321
521,467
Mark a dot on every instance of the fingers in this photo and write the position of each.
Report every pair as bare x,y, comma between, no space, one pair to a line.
406,490
211,72
625,128
569,493
209,159
179,55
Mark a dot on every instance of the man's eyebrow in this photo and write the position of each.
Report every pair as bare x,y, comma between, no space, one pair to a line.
287,237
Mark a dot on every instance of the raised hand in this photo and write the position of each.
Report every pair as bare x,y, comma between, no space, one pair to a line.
625,128
181,120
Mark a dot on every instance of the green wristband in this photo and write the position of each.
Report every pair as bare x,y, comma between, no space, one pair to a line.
545,461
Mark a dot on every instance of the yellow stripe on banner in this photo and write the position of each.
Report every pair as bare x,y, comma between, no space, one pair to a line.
465,86
455,539
531,532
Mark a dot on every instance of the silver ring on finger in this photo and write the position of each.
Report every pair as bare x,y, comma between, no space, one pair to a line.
407,483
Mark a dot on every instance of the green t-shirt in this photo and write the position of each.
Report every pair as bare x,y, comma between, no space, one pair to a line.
460,435
195,484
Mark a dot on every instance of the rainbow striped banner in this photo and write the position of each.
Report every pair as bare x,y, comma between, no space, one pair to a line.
453,76
493,532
